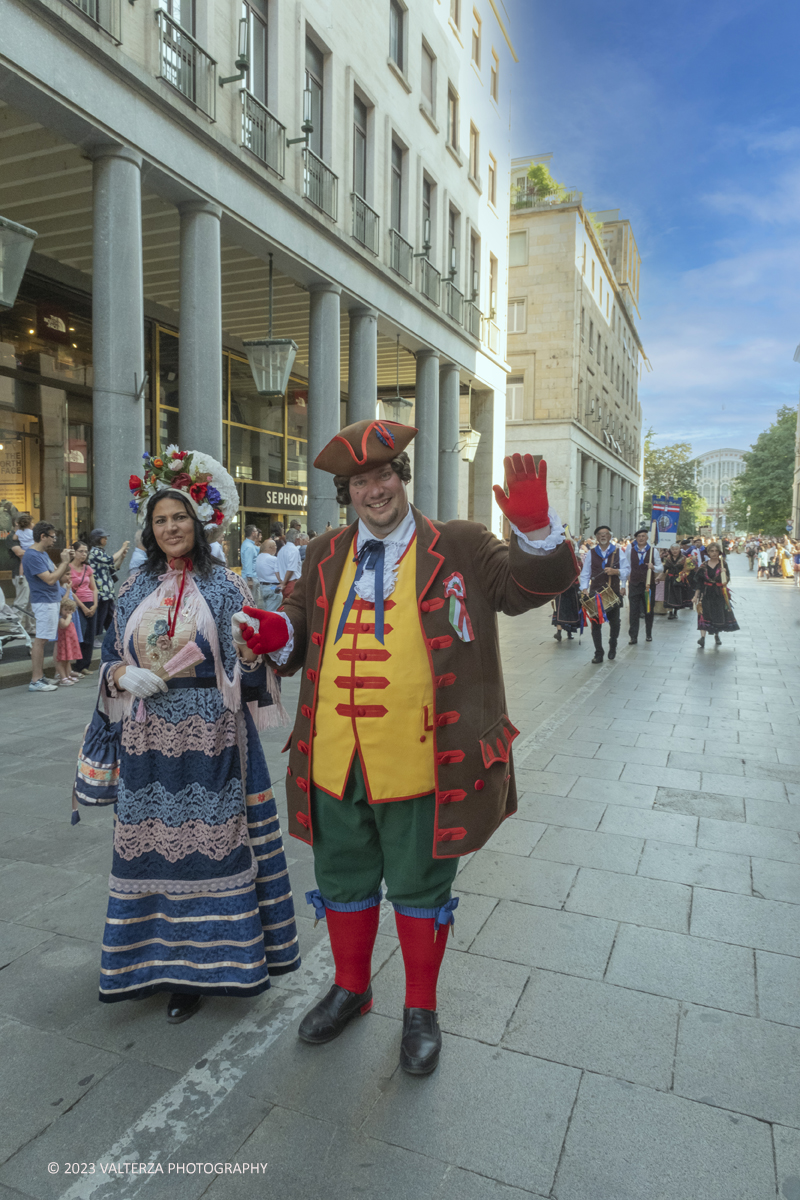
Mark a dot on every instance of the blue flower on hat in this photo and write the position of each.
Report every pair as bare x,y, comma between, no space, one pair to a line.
133,506
212,495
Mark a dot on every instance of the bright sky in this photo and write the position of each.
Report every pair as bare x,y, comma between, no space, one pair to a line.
686,117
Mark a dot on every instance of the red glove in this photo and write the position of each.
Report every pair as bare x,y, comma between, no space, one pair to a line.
272,632
526,504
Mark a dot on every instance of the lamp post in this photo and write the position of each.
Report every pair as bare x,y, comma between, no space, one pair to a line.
270,358
16,243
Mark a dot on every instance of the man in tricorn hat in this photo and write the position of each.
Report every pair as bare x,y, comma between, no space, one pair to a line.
401,753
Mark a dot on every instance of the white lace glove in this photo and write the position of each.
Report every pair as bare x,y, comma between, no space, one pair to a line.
141,682
237,621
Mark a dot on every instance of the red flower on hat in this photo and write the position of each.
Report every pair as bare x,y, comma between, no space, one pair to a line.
181,481
198,492
134,483
217,517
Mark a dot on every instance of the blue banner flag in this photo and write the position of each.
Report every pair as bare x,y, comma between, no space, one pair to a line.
666,512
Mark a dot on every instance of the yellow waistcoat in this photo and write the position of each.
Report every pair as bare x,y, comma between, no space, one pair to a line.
377,699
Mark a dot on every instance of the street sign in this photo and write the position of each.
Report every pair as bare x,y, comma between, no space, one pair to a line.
704,531
788,526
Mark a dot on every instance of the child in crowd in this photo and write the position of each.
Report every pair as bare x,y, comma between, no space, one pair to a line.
68,648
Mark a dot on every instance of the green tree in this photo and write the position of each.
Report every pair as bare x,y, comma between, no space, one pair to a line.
669,471
764,488
542,184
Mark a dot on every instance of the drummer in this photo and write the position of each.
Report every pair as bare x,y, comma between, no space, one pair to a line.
605,566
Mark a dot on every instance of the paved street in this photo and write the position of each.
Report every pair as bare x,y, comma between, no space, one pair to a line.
621,1005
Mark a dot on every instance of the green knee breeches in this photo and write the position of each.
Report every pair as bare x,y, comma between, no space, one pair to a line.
357,844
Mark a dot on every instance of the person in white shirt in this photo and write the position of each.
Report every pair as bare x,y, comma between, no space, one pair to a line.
605,565
214,539
644,564
290,567
268,577
139,556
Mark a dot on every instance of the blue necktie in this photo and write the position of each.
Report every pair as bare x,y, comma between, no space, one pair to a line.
369,557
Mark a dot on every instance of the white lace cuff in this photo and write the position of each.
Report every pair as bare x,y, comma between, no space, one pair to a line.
554,538
282,656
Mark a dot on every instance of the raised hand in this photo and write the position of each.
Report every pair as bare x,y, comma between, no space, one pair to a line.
526,504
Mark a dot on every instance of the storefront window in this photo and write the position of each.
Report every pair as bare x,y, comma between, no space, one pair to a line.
247,407
297,411
256,456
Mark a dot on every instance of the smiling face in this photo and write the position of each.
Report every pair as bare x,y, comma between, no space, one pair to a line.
379,498
641,540
173,528
603,537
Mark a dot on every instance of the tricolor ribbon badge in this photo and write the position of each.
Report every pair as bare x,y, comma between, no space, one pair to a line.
459,617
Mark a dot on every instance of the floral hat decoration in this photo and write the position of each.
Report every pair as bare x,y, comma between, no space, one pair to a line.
201,478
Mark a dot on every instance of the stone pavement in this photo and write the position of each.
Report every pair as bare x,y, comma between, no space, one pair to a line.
621,1005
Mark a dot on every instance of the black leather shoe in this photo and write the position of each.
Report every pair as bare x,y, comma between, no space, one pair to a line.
648,639
422,1041
328,1018
557,635
181,1006
598,658
612,650
633,641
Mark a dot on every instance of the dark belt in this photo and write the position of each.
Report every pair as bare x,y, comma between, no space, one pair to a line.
203,682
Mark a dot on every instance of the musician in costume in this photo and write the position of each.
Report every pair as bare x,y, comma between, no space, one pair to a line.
712,597
644,563
199,900
401,752
677,590
605,566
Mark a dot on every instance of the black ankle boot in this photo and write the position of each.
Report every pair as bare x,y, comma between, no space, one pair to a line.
612,651
328,1018
557,635
181,1006
422,1041
598,656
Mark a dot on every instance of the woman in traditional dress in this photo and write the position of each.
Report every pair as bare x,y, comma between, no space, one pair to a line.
677,591
200,903
714,612
567,613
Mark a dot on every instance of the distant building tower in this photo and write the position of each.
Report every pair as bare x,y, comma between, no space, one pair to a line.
714,474
574,353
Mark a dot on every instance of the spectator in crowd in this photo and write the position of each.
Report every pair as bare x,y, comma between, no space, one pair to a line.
68,648
139,556
276,533
294,531
268,577
302,543
105,567
249,554
84,589
290,568
214,539
44,580
21,540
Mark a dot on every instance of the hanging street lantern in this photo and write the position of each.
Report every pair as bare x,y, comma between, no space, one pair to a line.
16,243
271,359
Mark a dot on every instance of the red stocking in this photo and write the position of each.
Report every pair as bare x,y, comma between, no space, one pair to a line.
352,937
422,955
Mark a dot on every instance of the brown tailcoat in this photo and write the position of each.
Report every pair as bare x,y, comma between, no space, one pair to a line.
472,733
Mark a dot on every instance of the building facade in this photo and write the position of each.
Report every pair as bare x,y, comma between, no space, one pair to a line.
574,354
714,474
165,156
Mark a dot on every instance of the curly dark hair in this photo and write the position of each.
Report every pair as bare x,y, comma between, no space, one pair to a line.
202,559
400,465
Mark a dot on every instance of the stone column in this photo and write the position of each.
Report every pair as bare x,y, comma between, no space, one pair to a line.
426,443
117,336
603,495
323,399
362,385
590,494
449,455
622,523
613,503
200,345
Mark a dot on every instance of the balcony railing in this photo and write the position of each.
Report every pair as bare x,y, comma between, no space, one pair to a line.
472,319
521,198
453,301
320,185
366,224
430,280
491,335
263,134
186,66
104,13
401,255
